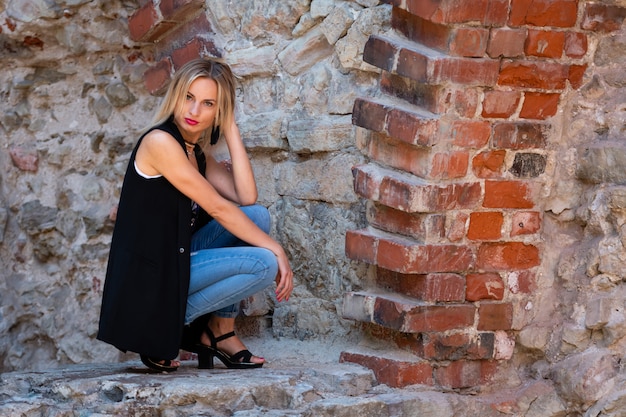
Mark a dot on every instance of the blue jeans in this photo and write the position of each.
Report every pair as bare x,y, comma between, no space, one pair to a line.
226,270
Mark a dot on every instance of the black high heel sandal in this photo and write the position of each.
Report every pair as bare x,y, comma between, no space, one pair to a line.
190,342
154,364
240,360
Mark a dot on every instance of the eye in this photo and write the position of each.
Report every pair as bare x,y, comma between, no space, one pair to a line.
188,97
209,103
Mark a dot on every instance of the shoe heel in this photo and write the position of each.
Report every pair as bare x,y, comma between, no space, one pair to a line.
205,360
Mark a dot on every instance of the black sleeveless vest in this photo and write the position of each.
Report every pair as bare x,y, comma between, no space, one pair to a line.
147,278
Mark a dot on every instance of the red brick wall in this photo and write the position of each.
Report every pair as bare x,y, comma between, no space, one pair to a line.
458,144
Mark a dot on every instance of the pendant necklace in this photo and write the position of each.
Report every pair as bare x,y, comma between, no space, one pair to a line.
189,147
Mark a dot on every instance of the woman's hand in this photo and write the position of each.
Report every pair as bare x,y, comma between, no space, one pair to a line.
284,278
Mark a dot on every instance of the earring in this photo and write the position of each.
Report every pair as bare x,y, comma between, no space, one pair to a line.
215,135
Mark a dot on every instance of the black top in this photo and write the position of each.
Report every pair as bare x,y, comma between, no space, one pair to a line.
147,278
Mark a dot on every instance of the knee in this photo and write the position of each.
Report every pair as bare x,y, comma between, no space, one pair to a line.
260,215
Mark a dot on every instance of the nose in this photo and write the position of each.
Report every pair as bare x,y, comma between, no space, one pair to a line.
194,108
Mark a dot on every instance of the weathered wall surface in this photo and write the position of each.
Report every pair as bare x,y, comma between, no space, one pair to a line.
73,100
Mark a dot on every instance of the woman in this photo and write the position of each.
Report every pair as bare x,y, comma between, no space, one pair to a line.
188,240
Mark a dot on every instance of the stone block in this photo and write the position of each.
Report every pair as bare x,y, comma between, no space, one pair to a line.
598,312
320,134
586,377
305,52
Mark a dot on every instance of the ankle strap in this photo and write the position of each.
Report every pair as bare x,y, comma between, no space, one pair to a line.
224,337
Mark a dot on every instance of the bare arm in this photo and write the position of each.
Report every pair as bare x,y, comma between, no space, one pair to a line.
237,185
159,153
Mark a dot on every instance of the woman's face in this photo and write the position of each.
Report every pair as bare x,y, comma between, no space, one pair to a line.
199,109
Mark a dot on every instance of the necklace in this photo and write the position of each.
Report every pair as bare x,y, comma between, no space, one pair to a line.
190,147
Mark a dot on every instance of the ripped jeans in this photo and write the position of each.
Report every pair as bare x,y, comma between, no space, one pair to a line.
226,270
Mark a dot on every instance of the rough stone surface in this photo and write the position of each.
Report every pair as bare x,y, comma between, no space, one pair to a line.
73,102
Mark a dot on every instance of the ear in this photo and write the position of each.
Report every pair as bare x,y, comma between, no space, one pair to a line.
215,135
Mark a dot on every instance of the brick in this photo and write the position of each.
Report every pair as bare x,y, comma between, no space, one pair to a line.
411,194
506,42
507,256
599,17
405,124
576,44
195,48
469,42
455,346
522,282
528,165
458,224
500,104
415,28
180,37
484,286
545,43
404,255
403,315
534,74
399,155
470,133
539,106
391,372
576,74
412,127
485,225
520,135
409,257
433,287
157,77
507,194
425,227
487,12
495,316
467,71
361,246
465,102
489,164
380,53
427,318
544,13
369,115
142,21
178,10
449,165
433,98
525,223
464,374
145,25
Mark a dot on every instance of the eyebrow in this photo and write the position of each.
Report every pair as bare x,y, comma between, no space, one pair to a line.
208,99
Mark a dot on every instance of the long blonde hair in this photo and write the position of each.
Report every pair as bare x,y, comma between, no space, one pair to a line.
174,99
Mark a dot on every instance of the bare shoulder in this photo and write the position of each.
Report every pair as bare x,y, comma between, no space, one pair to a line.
159,138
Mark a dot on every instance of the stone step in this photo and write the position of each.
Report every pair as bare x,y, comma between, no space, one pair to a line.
409,59
130,389
405,314
396,118
406,192
404,255
340,390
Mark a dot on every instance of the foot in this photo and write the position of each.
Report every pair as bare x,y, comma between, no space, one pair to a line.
220,326
164,365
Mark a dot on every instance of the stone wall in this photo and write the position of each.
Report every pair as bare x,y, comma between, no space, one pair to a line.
74,97
79,81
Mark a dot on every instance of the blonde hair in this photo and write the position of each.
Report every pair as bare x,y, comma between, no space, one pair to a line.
178,88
